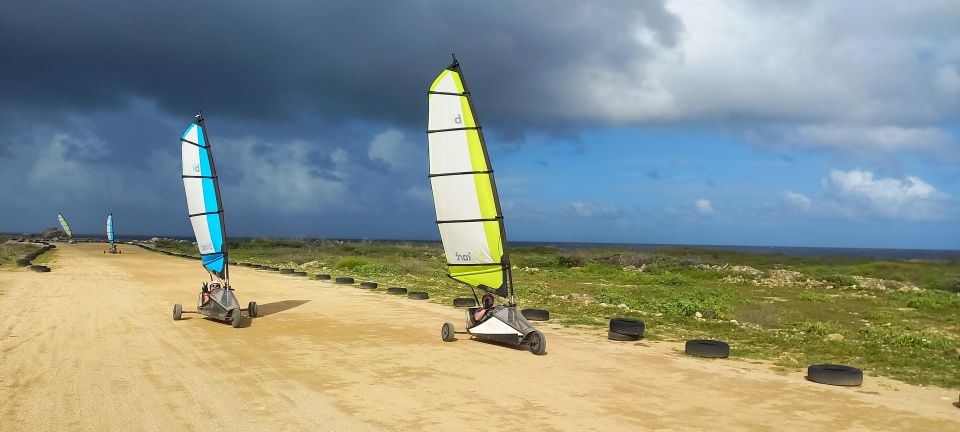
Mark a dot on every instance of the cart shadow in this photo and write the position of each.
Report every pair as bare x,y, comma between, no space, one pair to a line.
277,307
521,347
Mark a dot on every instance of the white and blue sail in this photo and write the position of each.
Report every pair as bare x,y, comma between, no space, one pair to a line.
203,198
110,228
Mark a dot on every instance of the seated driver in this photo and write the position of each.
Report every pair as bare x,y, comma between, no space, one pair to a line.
206,290
485,307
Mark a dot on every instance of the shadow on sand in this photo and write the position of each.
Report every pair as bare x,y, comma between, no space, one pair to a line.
277,307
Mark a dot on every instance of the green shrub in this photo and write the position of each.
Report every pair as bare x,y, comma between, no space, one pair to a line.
610,296
350,262
890,336
816,328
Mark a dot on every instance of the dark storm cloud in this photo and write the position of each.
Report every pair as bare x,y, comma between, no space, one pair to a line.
342,60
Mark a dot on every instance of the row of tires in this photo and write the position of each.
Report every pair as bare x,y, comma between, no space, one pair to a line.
27,260
620,329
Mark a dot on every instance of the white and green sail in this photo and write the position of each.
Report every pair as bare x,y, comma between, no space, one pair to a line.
464,190
65,225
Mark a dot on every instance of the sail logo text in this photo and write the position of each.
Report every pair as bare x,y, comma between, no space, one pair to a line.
462,257
458,119
196,168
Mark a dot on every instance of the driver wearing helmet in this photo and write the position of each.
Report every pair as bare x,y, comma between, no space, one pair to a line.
206,290
486,305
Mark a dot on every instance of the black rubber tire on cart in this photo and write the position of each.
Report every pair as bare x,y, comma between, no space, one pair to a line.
235,318
177,312
537,343
252,310
447,332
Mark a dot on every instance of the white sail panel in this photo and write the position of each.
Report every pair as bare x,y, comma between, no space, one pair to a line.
449,153
466,243
455,198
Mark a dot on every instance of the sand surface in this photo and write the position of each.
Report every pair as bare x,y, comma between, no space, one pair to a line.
91,346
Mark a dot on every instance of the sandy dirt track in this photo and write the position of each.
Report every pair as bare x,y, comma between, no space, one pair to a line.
98,351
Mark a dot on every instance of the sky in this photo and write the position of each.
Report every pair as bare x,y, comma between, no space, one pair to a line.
801,123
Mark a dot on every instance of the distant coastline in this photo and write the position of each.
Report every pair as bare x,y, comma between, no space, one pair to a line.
798,251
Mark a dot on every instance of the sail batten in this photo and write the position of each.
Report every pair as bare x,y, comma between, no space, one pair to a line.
464,191
204,207
65,225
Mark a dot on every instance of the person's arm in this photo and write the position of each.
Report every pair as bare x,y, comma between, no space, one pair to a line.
479,314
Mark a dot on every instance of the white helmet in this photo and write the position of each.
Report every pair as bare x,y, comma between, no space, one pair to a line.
215,283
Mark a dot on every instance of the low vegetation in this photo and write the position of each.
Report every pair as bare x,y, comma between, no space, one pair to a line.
899,319
11,251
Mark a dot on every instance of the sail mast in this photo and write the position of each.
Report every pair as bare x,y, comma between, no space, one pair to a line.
216,187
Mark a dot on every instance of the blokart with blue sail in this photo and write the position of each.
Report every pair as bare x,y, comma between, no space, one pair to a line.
204,206
469,215
113,245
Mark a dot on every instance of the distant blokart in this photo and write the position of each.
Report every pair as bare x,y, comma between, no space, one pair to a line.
113,246
469,215
200,183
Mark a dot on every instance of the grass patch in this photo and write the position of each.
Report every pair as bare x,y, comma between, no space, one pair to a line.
911,336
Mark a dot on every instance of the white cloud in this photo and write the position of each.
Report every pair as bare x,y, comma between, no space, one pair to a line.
588,210
827,74
391,148
295,180
859,194
704,207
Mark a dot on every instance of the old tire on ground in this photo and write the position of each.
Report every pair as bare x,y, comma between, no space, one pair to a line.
252,309
538,343
286,271
418,295
464,302
40,268
627,326
23,262
273,268
396,290
447,332
235,318
177,312
612,335
299,273
707,348
344,280
536,314
832,374
322,277
369,285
